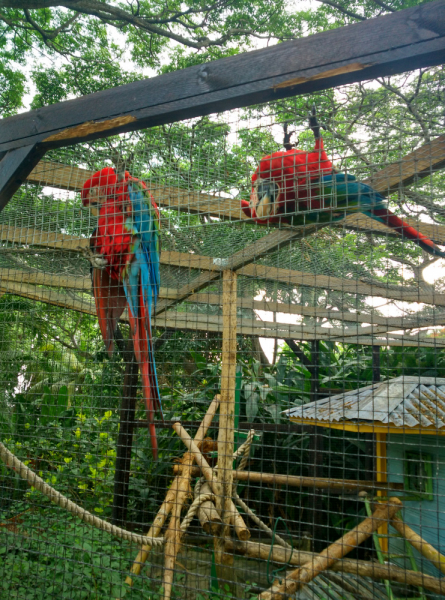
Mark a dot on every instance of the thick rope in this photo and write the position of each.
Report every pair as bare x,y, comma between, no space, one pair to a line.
193,509
60,500
37,482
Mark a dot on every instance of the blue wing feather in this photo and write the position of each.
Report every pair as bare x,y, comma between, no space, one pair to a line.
144,268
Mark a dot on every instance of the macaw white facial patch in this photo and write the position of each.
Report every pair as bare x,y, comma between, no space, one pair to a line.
264,198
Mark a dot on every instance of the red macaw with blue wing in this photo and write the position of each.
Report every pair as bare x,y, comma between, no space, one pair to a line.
125,253
302,188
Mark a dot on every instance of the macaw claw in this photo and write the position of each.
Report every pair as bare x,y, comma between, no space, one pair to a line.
313,122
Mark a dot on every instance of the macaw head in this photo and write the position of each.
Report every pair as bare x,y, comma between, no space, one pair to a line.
282,183
101,186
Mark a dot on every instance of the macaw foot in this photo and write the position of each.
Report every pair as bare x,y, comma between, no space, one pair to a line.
313,122
96,260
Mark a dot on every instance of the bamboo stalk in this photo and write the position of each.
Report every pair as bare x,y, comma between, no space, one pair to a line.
378,547
304,574
362,568
207,471
425,549
168,503
173,533
227,410
315,482
340,485
208,515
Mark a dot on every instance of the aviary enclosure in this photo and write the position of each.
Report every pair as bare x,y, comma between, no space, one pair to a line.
299,343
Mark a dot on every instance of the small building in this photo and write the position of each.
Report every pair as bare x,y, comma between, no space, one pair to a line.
407,417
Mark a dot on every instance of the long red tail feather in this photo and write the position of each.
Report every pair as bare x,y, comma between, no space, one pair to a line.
141,340
407,231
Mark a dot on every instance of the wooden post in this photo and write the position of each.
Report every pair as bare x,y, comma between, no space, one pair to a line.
382,477
315,514
226,416
125,437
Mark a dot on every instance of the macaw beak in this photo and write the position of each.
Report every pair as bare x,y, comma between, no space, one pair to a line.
264,198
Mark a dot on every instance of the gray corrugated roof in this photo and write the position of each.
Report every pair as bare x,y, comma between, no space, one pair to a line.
403,402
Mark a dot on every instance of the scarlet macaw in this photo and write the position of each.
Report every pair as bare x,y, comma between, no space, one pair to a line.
303,188
125,250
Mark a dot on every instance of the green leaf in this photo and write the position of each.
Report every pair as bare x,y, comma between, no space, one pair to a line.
252,406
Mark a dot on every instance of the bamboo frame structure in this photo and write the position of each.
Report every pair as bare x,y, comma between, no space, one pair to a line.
227,415
353,538
171,497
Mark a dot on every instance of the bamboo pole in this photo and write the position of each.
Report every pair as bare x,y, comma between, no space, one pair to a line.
226,440
207,471
168,503
173,533
362,568
208,515
317,482
298,578
421,545
341,485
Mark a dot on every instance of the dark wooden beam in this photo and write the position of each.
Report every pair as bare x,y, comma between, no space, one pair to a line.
15,165
404,40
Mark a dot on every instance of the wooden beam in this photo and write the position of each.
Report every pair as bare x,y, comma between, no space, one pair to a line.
404,40
414,166
197,322
349,286
48,279
405,322
48,296
238,261
15,164
84,284
268,243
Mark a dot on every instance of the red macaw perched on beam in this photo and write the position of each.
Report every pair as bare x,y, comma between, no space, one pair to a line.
126,271
301,188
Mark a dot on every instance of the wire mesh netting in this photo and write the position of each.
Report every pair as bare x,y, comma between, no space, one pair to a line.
314,319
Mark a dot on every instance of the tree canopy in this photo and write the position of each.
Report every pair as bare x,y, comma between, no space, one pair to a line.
68,48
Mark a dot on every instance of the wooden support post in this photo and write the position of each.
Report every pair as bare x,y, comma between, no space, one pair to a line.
125,438
332,553
382,477
226,415
315,512
15,166
169,501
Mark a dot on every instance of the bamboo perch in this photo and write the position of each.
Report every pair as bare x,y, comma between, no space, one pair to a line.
207,471
297,481
168,503
208,515
362,568
173,534
421,545
226,440
298,578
